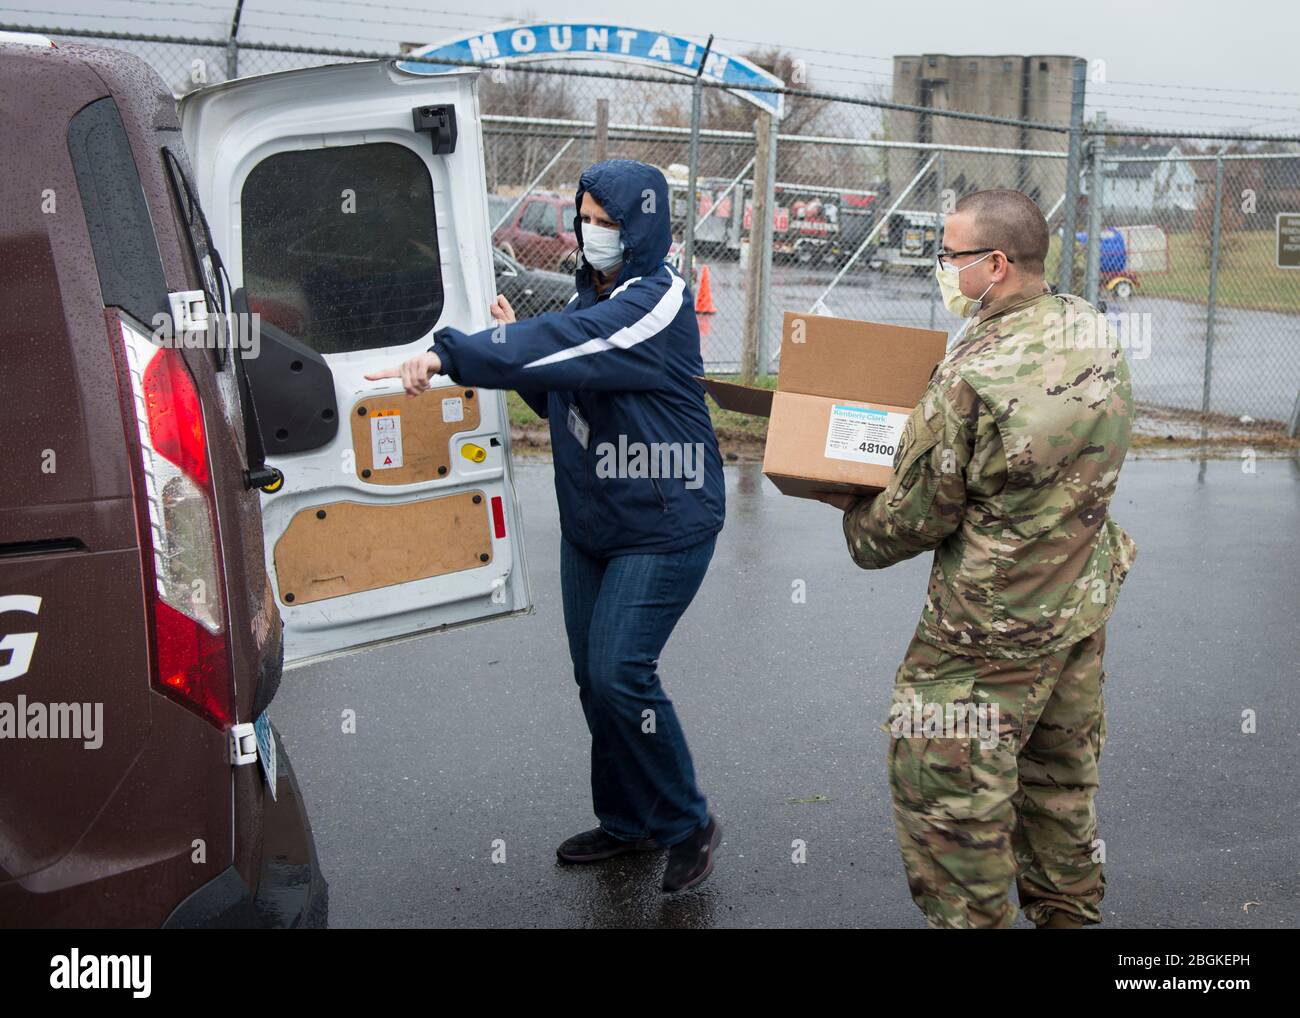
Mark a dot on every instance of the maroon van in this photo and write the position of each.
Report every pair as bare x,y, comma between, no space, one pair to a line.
131,542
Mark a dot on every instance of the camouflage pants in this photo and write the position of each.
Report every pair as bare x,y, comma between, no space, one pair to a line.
1011,799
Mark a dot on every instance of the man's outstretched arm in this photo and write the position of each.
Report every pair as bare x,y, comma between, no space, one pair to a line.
950,441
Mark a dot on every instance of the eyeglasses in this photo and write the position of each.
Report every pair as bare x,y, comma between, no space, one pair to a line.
942,256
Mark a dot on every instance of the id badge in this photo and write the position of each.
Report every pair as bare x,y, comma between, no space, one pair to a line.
578,427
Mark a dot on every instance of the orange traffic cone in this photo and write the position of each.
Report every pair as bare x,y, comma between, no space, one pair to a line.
704,295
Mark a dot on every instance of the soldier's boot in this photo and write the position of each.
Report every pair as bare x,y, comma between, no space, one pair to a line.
1058,854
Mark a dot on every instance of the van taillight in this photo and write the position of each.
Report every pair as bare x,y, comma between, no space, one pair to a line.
175,417
191,663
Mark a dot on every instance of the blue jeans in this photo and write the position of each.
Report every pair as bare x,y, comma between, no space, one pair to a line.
619,613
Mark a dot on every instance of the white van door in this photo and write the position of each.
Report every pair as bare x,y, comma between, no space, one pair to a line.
348,204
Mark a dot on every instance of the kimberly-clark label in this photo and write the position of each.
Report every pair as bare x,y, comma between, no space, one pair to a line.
864,435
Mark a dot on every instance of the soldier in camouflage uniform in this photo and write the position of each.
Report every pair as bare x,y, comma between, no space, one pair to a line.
1006,469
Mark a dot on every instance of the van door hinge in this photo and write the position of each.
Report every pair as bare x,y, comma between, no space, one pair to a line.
189,310
243,744
440,122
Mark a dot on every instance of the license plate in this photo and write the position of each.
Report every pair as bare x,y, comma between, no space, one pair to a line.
266,749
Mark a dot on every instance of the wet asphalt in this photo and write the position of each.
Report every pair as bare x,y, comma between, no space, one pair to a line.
473,737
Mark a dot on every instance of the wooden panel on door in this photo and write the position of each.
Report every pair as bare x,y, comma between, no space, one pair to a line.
345,547
401,439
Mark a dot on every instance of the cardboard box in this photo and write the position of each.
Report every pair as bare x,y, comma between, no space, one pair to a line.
843,395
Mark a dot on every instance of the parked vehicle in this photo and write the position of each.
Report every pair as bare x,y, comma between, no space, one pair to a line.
716,213
857,216
132,594
909,240
810,224
539,232
814,228
531,291
1126,253
180,522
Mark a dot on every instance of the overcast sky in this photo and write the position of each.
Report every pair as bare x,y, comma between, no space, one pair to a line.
1201,64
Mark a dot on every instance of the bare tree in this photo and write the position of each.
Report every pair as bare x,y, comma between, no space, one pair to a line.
514,159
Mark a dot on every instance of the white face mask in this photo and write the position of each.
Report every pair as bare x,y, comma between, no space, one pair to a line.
950,287
601,247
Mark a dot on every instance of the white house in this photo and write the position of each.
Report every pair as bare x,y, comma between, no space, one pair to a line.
1160,182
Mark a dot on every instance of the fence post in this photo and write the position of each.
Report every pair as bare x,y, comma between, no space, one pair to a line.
232,44
765,284
693,169
1096,151
1069,210
601,143
1214,281
760,247
938,218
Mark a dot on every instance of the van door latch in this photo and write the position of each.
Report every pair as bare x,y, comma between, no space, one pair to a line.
440,122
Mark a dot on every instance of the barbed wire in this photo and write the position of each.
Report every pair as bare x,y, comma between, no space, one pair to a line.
1195,131
112,17
477,16
662,79
1060,102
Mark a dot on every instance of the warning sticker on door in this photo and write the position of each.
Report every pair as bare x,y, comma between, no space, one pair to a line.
453,409
386,439
864,435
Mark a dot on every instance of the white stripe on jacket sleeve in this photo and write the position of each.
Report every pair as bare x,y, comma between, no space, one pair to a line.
655,321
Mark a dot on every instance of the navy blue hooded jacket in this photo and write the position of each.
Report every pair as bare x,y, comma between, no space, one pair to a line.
650,476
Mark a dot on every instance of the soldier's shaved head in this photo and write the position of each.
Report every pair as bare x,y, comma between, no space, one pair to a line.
1012,223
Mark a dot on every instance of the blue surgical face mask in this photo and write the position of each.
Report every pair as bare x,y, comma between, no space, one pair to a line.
601,247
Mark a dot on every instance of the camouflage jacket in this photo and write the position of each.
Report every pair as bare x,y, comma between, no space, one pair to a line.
1006,468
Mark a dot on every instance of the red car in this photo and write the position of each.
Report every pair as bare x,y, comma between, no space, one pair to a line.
538,232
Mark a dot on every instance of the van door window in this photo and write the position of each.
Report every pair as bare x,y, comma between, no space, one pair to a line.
208,269
117,216
340,246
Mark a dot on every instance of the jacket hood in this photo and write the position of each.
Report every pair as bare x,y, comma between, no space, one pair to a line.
635,195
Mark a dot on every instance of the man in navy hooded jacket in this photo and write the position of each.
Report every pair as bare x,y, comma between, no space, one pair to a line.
639,482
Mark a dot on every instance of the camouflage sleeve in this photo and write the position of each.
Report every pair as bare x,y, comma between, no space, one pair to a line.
950,452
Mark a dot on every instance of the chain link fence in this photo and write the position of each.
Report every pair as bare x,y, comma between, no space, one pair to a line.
1188,253
823,213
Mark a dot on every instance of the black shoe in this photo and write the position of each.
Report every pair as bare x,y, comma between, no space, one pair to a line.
597,844
691,861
